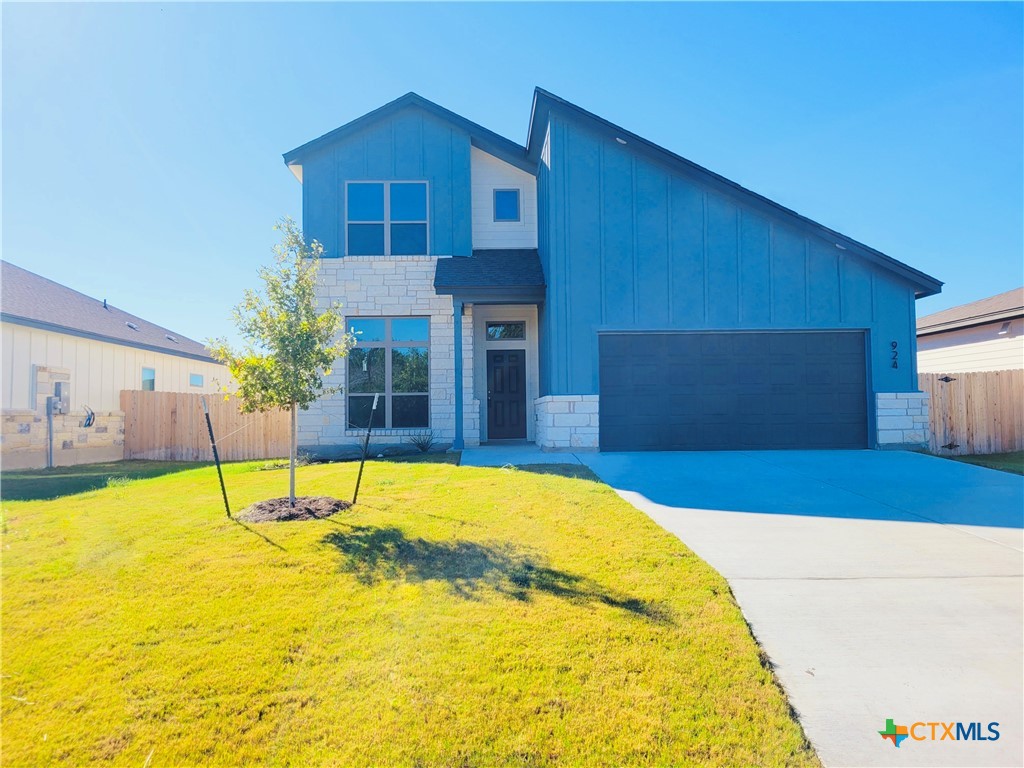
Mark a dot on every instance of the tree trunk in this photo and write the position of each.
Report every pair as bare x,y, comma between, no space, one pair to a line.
291,458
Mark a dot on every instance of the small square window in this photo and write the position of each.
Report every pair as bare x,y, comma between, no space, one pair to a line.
148,379
506,205
195,379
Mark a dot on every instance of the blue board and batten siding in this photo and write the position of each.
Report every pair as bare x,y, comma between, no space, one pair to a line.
412,145
628,243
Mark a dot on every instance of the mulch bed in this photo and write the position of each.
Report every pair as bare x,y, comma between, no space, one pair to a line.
306,508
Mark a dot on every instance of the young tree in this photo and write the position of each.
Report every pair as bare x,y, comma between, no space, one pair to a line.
290,344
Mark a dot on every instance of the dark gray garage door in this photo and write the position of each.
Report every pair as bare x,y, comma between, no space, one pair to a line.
732,391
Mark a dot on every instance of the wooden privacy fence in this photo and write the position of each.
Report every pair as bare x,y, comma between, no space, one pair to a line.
973,413
170,426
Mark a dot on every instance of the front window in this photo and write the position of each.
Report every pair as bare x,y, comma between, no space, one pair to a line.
148,379
391,359
386,218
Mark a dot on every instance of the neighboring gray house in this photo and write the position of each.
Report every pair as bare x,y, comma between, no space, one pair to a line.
593,290
984,335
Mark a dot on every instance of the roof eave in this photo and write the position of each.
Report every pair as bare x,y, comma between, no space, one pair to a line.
971,322
473,294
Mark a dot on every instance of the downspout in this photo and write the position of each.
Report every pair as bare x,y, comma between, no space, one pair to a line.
458,443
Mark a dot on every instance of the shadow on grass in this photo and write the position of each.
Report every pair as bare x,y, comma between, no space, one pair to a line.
434,457
43,484
376,554
573,471
236,521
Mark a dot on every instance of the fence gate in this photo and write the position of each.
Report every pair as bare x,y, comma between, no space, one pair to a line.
975,413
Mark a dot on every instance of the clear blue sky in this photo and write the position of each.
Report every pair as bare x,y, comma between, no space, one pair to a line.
142,143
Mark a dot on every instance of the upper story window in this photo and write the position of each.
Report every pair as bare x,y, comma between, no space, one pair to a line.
506,205
386,218
195,379
148,379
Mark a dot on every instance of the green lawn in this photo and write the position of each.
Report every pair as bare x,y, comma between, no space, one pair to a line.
456,617
32,484
1007,462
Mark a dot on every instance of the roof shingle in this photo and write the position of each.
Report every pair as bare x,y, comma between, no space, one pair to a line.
1000,306
497,268
29,299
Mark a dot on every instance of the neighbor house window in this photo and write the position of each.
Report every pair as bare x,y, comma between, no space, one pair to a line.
391,359
505,331
506,205
195,379
386,218
148,379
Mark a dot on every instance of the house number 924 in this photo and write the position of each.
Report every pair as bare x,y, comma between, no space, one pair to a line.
895,352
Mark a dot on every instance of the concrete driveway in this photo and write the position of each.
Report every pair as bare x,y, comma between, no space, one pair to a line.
882,585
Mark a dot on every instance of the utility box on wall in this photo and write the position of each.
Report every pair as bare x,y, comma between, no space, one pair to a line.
62,397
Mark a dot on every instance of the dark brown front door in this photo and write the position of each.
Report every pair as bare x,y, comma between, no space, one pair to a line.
506,394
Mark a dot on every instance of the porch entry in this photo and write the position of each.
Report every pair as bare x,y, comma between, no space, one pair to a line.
506,394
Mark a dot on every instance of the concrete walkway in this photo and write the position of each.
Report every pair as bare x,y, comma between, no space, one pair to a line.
517,454
882,585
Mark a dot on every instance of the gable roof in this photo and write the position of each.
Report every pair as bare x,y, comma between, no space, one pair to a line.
545,103
480,137
1003,306
527,158
32,300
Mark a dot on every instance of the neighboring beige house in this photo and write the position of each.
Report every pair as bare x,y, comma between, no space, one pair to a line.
985,335
58,343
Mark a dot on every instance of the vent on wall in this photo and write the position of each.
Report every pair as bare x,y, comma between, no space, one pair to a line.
133,326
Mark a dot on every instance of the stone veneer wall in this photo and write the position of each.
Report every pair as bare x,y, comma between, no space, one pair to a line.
23,438
393,286
567,422
901,419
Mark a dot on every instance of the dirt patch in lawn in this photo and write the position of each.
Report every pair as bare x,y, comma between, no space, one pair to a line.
306,508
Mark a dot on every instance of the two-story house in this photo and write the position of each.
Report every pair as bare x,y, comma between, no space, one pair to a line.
593,290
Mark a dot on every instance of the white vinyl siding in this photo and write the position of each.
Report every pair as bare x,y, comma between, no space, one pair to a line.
99,370
490,174
972,349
